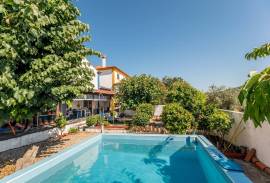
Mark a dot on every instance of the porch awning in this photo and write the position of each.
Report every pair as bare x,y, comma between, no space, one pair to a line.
104,92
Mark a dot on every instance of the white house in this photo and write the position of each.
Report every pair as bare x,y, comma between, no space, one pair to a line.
100,100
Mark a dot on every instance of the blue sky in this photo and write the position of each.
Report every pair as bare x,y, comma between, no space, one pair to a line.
203,41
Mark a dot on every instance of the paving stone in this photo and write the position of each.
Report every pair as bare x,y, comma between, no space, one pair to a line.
256,175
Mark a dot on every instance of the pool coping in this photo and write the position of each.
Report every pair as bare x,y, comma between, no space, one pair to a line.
30,172
234,176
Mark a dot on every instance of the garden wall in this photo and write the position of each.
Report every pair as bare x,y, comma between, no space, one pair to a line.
257,138
27,139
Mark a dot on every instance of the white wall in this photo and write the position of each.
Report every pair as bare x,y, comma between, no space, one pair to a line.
105,79
258,138
158,110
95,78
27,139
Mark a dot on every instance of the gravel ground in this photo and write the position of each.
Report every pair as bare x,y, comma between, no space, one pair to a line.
46,148
256,175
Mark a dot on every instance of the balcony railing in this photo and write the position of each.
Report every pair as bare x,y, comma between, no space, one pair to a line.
93,97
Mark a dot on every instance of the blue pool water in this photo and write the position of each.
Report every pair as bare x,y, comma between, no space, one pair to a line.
120,159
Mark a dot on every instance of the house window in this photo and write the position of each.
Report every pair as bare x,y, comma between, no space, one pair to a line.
118,76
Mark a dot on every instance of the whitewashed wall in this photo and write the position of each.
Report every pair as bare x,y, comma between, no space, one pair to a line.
258,138
27,139
105,79
158,110
95,78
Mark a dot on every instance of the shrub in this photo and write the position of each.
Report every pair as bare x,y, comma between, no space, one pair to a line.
202,118
219,123
94,120
141,119
143,114
61,122
145,108
106,123
73,130
176,118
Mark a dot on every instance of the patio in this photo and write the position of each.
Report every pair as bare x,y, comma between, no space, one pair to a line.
46,148
256,175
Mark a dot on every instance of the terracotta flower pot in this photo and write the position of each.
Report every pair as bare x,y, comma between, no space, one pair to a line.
260,165
234,155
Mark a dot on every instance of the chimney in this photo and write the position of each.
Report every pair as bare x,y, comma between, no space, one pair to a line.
103,60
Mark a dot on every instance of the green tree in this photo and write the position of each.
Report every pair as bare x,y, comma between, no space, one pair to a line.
255,95
224,98
140,89
168,81
183,93
41,52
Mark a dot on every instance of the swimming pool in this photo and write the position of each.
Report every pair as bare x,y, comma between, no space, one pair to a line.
130,158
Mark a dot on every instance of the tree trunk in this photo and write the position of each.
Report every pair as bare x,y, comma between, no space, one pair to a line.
57,112
12,128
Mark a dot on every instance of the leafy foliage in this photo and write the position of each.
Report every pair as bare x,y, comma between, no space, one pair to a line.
146,108
224,98
143,114
140,89
94,120
176,118
220,123
262,51
168,81
256,97
73,130
61,122
183,93
141,119
41,52
202,120
194,101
